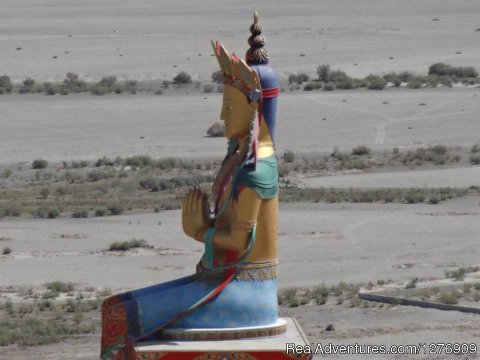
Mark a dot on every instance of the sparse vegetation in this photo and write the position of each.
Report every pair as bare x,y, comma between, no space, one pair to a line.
59,287
475,159
323,72
39,164
115,209
80,214
288,156
376,82
299,78
361,150
182,78
6,251
216,130
127,245
442,69
217,77
398,195
6,173
412,284
100,211
459,274
208,88
449,298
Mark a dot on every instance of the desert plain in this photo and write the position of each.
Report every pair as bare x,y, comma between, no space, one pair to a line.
322,243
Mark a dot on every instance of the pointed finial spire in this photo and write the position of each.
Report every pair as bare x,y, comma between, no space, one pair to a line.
257,54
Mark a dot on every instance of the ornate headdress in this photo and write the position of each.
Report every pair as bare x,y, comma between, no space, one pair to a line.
253,77
257,81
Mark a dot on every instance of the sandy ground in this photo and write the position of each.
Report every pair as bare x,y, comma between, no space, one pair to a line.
77,127
335,242
318,242
157,39
431,178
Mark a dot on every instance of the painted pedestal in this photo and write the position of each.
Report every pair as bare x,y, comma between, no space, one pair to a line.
260,348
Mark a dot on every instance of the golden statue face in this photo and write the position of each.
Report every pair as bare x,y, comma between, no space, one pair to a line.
236,112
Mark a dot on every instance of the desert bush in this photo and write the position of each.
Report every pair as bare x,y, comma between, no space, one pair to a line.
5,83
459,274
59,286
138,161
105,86
345,84
308,87
97,175
217,76
323,72
6,173
475,148
150,183
44,192
338,76
208,88
100,211
104,161
312,86
80,214
328,87
108,81
288,156
413,196
368,196
361,150
320,294
29,82
447,298
414,83
79,164
432,81
49,88
39,164
442,69
127,245
72,83
182,78
31,331
6,250
412,284
437,154
393,78
216,130
405,76
52,213
475,159
299,78
115,209
446,81
360,83
376,82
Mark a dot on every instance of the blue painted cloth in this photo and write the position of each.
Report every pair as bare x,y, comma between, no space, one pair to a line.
241,304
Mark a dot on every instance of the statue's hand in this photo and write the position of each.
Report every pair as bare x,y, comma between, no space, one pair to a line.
195,219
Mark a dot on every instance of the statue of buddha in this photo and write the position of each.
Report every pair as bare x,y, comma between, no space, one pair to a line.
234,287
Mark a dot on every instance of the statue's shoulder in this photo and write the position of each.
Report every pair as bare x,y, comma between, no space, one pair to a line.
264,179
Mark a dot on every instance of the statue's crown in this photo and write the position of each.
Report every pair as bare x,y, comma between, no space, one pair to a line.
237,73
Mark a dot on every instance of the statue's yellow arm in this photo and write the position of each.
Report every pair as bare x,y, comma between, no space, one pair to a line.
244,217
